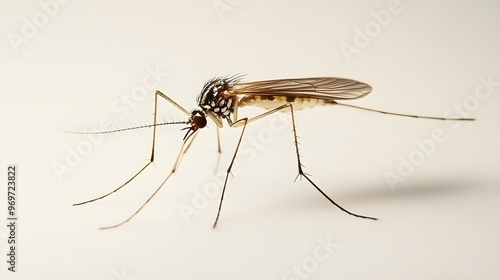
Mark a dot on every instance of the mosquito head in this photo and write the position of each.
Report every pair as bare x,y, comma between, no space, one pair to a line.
197,119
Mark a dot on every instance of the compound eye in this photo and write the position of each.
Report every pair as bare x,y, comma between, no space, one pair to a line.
199,121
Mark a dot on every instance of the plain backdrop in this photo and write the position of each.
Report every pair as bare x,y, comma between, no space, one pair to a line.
84,66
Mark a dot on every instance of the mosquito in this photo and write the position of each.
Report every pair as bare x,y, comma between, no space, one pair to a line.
220,99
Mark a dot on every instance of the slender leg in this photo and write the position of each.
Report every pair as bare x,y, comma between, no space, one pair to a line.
402,115
301,172
219,151
179,156
244,121
151,159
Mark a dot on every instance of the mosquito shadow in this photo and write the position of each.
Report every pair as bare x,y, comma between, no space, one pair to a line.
370,193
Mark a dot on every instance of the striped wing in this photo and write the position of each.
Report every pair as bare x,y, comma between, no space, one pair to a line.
326,88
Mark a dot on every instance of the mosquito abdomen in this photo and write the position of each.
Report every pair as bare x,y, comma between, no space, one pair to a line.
270,102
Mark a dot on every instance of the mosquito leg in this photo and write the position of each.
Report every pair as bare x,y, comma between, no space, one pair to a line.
179,156
151,159
402,115
219,151
243,122
303,174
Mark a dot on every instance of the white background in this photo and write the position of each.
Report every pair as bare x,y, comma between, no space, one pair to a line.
73,71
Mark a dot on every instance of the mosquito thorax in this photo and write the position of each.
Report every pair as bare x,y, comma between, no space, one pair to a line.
215,97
